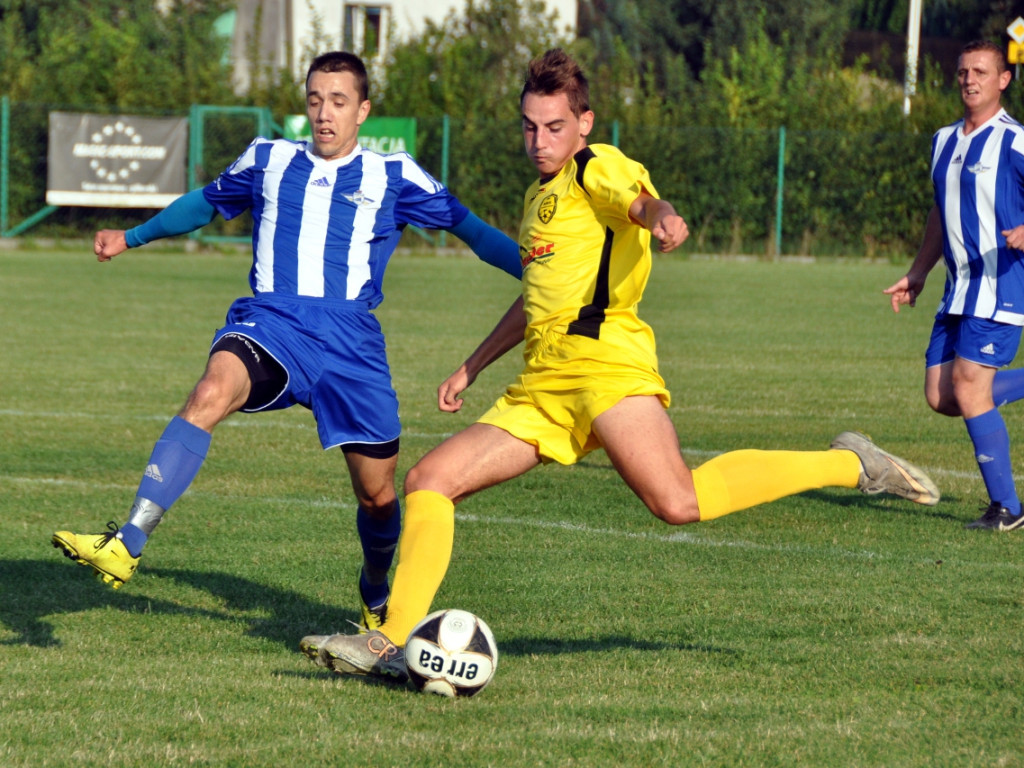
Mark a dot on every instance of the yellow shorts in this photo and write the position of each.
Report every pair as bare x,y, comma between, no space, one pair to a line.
568,382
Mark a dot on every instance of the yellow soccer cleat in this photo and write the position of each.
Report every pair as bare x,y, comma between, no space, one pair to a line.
372,618
105,553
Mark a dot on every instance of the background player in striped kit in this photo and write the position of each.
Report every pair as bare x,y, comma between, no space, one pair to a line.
977,227
327,216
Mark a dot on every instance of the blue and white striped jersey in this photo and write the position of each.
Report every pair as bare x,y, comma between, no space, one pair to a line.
979,189
328,228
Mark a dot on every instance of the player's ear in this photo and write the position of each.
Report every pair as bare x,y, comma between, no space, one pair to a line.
364,112
586,123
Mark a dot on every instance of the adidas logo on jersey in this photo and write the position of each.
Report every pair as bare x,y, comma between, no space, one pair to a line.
957,160
153,473
321,182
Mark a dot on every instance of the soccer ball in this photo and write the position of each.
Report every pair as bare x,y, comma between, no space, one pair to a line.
451,653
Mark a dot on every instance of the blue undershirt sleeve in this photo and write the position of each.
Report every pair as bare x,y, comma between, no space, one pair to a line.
186,214
489,244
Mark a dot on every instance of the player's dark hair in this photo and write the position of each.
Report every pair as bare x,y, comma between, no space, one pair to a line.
988,45
556,72
342,61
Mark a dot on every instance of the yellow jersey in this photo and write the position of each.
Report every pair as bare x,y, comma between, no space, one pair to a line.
585,262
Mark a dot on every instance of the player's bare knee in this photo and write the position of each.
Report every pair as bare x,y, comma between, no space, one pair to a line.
429,475
209,394
676,511
420,477
381,507
207,405
944,404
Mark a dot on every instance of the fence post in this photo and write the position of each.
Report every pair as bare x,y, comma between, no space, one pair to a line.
778,192
5,137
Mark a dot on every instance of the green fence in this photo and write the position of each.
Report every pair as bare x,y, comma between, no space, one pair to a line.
767,192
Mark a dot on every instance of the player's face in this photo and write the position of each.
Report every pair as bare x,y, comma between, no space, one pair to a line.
981,82
551,132
335,113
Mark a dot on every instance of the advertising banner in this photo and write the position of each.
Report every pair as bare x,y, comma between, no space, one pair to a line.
116,161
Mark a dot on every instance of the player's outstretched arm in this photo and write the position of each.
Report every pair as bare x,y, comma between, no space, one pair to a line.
491,245
909,287
658,216
186,214
506,335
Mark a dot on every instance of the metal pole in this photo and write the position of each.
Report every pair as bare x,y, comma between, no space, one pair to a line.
5,143
913,44
778,192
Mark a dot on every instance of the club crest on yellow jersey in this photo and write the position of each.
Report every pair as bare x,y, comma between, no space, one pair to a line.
546,209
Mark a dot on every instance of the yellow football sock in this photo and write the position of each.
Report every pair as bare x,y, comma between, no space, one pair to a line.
741,479
424,551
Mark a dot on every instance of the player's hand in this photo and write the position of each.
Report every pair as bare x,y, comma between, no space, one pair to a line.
448,399
108,243
670,232
1015,237
901,292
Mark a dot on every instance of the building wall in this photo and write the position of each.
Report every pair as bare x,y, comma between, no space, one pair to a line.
342,25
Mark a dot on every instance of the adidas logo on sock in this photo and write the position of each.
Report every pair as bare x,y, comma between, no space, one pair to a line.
153,473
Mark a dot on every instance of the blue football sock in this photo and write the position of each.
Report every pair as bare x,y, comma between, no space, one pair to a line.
1008,386
133,538
174,463
379,539
992,451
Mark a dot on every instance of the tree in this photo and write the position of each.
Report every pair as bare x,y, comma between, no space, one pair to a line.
472,62
84,54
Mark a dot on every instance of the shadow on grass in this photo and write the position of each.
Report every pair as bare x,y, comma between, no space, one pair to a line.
33,590
949,507
551,646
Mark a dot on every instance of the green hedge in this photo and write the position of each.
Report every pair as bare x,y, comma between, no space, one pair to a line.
845,193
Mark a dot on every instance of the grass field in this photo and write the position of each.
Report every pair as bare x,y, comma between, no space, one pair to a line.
827,629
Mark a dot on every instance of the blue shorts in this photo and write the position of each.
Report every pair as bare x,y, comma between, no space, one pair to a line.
336,363
975,339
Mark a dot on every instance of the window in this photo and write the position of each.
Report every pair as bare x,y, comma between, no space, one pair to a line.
365,29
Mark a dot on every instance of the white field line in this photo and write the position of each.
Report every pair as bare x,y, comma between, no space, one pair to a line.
675,536
266,421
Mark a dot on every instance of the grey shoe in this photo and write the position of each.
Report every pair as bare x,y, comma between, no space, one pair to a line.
368,653
881,472
310,645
